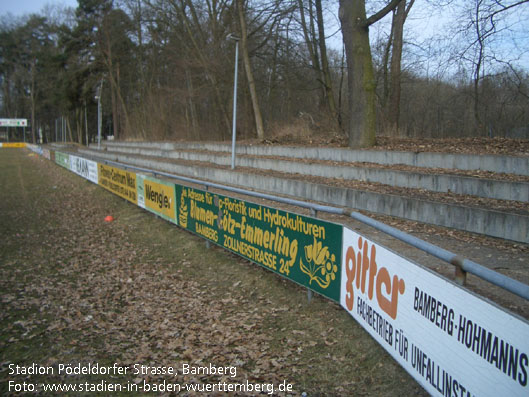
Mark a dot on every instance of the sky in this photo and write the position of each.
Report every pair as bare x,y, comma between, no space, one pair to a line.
422,26
21,7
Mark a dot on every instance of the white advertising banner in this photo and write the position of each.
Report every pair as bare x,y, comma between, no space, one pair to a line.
85,168
13,122
34,148
451,341
141,194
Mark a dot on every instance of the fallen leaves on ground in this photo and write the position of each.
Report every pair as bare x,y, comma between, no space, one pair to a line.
468,145
78,289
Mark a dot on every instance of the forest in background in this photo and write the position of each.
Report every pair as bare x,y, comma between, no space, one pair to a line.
165,69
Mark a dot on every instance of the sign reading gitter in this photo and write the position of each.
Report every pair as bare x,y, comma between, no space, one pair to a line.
451,341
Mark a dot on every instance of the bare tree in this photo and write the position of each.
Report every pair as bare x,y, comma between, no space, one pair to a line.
361,79
317,49
249,75
327,81
396,42
484,23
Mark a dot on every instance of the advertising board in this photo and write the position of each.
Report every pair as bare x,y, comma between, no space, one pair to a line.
84,167
13,122
303,249
62,159
450,340
12,145
157,196
118,181
35,148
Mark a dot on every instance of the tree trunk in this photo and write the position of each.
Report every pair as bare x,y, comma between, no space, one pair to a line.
249,75
33,100
385,72
79,124
399,18
33,122
199,47
361,79
479,127
313,50
86,126
272,75
191,105
115,112
327,81
69,129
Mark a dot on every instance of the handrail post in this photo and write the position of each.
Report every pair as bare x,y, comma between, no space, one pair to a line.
208,244
460,273
310,293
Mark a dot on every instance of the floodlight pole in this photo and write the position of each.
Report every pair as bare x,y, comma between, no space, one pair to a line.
231,36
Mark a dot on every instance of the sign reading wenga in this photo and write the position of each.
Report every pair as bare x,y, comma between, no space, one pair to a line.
118,181
302,249
157,196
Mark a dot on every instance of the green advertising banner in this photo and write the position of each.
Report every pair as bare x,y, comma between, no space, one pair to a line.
62,159
303,249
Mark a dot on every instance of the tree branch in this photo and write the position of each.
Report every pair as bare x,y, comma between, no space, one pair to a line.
382,13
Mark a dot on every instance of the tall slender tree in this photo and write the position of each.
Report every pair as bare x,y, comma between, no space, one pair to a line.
361,79
396,42
248,68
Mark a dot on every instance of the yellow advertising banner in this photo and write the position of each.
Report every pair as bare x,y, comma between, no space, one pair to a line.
14,144
160,198
118,181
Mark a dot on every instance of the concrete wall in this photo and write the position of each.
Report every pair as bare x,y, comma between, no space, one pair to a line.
478,220
481,187
494,163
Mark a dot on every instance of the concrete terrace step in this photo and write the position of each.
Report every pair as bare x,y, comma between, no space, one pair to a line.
417,178
494,163
504,223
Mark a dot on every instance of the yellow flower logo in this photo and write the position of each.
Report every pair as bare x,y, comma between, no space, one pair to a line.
321,264
182,216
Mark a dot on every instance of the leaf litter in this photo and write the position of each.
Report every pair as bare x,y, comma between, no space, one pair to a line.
139,290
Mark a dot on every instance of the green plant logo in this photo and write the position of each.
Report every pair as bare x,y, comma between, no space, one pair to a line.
321,264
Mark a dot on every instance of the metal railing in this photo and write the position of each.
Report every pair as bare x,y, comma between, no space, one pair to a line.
462,265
